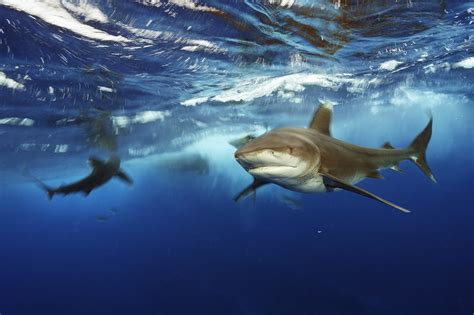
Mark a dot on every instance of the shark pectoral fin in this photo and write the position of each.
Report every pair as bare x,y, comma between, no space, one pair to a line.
322,119
124,177
250,189
334,182
254,196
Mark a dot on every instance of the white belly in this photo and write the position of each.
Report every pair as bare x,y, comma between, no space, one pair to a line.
312,185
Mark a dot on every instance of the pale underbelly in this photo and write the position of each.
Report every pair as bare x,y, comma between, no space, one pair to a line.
312,185
316,184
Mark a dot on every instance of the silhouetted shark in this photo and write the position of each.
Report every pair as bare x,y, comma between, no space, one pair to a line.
102,172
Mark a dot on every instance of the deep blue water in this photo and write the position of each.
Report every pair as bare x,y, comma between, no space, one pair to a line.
166,85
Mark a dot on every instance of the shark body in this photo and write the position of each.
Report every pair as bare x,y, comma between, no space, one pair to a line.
310,160
102,172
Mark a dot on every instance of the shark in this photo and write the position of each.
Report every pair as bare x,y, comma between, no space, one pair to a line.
102,172
311,160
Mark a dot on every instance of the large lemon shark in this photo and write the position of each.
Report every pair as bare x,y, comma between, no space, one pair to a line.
310,160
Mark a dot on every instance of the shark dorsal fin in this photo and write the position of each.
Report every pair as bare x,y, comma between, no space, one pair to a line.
95,162
322,119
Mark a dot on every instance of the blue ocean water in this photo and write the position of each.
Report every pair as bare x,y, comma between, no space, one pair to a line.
167,85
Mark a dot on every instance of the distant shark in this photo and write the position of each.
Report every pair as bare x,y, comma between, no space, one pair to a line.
310,160
102,172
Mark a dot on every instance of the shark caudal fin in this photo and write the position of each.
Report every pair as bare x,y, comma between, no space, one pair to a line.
49,190
419,146
50,193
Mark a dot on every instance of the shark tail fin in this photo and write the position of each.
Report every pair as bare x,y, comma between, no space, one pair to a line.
419,146
49,190
50,193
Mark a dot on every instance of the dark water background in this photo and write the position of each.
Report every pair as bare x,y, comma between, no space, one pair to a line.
166,85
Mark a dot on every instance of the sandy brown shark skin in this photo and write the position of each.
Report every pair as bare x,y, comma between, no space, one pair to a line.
310,160
102,172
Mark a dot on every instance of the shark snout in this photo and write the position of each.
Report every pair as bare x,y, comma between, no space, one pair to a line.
264,158
243,159
237,154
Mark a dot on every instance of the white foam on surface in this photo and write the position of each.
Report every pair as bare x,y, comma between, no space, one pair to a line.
198,44
467,63
148,36
106,89
282,3
54,13
187,4
144,33
251,89
140,118
61,148
84,9
10,83
195,101
390,65
16,121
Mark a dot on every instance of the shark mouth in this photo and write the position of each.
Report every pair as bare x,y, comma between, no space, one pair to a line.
254,166
270,169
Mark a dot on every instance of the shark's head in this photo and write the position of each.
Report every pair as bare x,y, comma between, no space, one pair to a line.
279,156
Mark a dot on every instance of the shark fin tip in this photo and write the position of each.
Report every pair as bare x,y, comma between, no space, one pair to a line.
327,105
50,194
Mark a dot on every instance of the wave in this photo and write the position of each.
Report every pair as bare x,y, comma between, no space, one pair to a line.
247,90
53,12
16,121
10,83
146,76
467,63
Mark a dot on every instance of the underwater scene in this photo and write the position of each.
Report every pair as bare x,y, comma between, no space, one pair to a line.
244,157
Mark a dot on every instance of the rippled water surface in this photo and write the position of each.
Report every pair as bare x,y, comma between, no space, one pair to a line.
170,87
